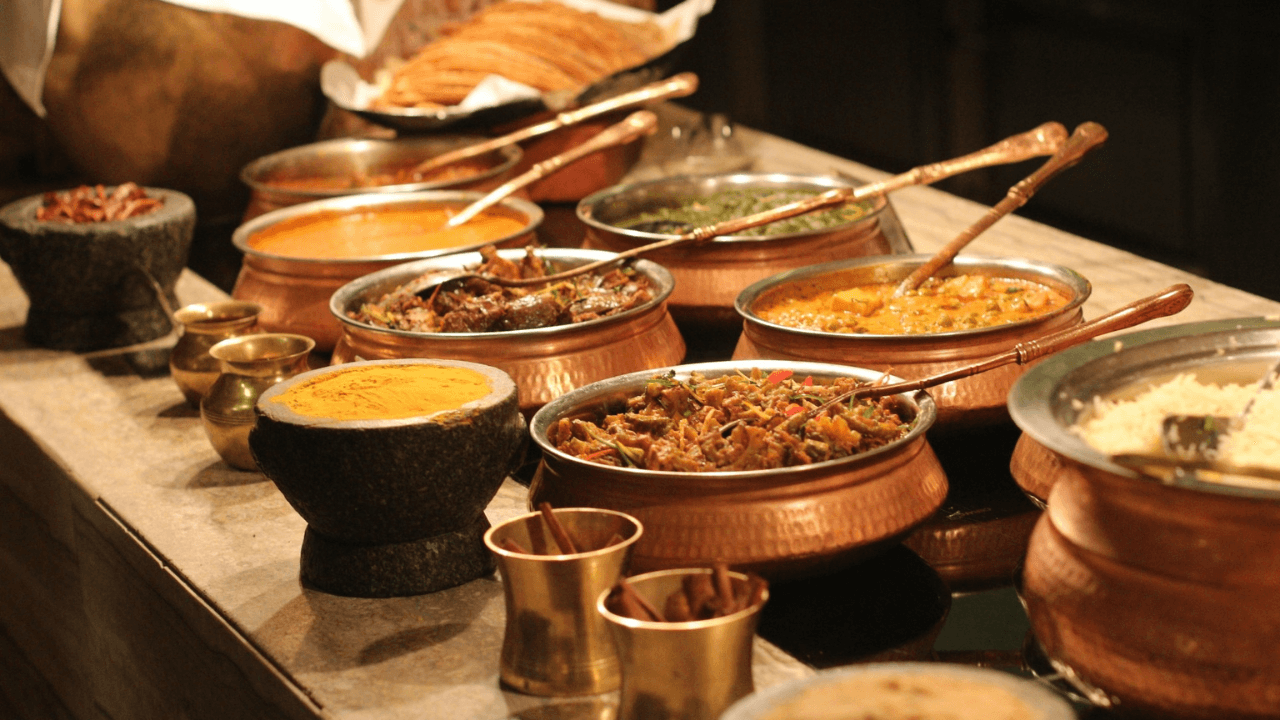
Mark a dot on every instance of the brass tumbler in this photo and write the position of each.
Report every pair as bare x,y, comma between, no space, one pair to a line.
681,670
555,642
203,326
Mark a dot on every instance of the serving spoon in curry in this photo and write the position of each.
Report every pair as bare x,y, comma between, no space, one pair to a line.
1044,139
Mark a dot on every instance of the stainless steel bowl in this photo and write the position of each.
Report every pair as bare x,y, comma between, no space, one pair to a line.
785,522
976,400
545,362
294,292
1161,596
364,157
710,275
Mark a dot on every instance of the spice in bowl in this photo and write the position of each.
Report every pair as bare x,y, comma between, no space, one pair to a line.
385,392
87,204
701,596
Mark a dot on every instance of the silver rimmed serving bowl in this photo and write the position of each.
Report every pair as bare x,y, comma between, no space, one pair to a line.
294,291
545,362
974,401
1162,596
784,522
710,275
354,166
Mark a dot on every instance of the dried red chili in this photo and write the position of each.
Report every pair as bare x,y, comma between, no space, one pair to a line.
87,204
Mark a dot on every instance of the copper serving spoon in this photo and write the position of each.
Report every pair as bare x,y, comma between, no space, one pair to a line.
635,125
1086,137
676,86
1170,301
1044,139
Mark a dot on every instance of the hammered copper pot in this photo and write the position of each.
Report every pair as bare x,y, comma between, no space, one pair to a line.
783,523
294,292
545,362
710,275
1161,596
279,180
971,402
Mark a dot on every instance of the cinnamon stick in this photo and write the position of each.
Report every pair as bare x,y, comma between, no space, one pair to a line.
558,532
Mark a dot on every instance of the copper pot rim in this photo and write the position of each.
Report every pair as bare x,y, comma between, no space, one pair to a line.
352,203
502,386
587,210
579,399
253,172
1058,276
368,286
1055,393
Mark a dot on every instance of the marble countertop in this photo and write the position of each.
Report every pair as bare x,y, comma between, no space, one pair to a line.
131,445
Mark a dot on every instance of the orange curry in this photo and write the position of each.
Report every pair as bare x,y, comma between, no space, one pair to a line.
370,233
939,305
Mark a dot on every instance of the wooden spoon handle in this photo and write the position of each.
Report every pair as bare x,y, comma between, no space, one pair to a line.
1085,138
675,86
635,125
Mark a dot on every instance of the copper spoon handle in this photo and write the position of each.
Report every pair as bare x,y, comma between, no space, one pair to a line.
1085,138
675,86
1170,301
635,125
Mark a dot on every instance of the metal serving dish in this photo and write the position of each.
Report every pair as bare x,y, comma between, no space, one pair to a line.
710,275
1161,596
364,157
786,522
973,401
545,362
294,292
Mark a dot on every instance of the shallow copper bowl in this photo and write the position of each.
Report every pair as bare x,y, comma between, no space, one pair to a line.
710,275
783,523
364,157
1161,596
545,362
973,401
294,292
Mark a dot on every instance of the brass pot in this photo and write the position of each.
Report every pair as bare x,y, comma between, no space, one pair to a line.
294,292
269,177
973,401
203,326
786,522
710,275
545,362
1161,596
250,365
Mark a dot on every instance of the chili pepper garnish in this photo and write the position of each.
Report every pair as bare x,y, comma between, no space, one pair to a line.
778,376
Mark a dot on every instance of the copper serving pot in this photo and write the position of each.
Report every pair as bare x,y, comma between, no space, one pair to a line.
545,362
973,401
783,523
277,179
1161,597
294,292
710,275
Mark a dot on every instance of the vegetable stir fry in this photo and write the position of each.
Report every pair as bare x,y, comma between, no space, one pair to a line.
479,306
735,422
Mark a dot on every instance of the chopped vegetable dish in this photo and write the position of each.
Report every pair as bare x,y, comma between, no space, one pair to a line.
735,422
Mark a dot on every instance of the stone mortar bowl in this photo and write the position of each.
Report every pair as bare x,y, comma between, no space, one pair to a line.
393,506
94,285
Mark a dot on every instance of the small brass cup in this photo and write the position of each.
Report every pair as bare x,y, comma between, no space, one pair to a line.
203,326
556,643
681,670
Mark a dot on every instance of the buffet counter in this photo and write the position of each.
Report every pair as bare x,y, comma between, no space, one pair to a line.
143,577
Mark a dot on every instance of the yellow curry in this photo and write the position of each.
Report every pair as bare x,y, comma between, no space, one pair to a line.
939,305
369,233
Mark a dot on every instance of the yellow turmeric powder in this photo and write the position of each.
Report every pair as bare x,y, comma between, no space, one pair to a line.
385,392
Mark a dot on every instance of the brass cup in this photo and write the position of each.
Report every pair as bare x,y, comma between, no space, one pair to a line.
203,326
250,364
681,670
555,642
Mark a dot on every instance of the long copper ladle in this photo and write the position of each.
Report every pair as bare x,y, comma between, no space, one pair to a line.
1086,137
1044,139
1170,301
676,86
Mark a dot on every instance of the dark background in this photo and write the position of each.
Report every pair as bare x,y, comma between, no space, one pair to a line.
1189,92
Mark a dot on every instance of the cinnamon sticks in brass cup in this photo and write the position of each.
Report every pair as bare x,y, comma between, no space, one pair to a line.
554,565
